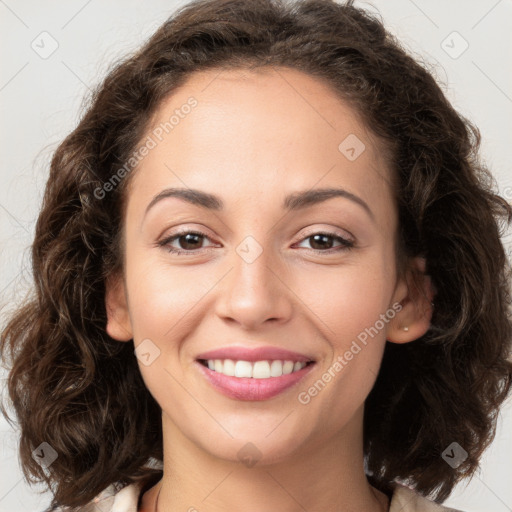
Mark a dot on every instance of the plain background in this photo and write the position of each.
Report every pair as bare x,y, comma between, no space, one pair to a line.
467,45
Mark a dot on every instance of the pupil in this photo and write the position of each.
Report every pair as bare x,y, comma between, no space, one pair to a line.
187,240
322,244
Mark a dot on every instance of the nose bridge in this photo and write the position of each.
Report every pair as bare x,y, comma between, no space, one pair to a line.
253,292
253,262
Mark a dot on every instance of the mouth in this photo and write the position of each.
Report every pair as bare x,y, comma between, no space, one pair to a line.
253,380
262,369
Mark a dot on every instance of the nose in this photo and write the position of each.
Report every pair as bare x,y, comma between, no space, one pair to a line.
254,292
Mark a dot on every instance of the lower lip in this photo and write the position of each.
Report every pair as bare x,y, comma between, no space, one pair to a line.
245,388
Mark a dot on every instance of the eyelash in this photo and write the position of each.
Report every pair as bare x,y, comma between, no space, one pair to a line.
345,243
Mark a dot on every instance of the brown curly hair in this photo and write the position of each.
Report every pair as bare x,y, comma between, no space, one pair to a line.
79,390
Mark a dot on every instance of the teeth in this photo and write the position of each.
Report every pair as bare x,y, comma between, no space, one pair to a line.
256,369
242,368
228,368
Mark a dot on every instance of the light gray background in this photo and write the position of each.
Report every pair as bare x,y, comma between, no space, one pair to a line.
40,101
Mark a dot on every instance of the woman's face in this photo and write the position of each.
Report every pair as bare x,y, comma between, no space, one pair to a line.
267,270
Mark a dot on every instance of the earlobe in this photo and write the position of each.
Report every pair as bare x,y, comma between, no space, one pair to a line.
118,319
415,294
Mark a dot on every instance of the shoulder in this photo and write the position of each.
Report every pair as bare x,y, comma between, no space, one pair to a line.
113,499
406,499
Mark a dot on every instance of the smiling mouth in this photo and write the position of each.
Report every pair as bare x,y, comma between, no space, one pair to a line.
263,369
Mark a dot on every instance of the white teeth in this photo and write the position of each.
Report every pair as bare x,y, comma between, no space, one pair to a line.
256,369
228,367
288,367
242,368
276,368
261,370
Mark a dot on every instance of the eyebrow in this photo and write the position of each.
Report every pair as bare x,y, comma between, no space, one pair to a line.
295,201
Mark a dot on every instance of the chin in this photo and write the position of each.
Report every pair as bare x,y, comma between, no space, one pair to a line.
256,448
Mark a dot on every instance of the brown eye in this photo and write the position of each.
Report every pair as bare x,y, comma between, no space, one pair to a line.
323,242
188,242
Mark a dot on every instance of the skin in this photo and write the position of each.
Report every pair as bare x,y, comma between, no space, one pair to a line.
253,138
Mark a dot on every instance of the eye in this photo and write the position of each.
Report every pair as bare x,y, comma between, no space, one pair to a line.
324,242
188,240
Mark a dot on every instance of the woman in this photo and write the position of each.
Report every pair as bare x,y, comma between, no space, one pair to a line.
269,276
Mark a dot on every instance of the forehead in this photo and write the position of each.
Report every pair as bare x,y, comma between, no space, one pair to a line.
259,132
262,102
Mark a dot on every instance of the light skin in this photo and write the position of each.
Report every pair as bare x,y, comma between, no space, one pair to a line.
254,138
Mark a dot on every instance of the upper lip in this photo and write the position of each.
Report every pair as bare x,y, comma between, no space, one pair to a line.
254,354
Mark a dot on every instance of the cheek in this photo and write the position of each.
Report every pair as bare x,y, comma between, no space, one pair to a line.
164,303
347,299
162,299
347,307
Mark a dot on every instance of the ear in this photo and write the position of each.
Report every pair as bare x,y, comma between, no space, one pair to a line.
119,324
415,292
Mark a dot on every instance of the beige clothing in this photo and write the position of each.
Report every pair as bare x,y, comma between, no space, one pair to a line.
403,499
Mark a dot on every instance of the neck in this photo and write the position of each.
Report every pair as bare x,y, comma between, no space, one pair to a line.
326,475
